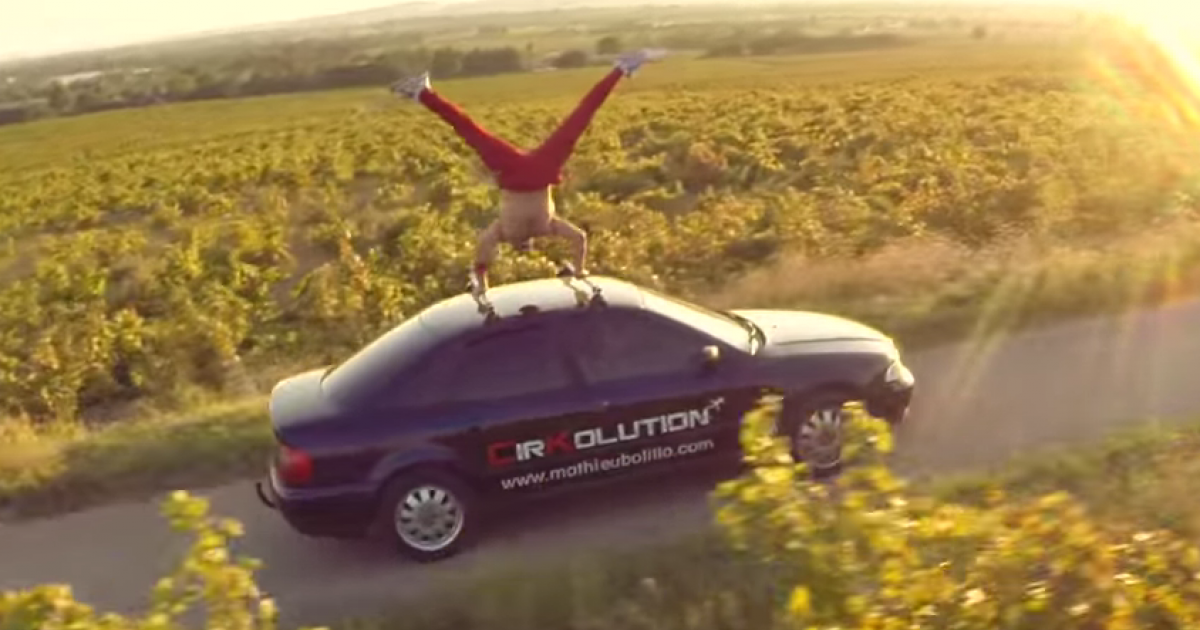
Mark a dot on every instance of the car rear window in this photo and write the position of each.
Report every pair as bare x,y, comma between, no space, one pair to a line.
374,366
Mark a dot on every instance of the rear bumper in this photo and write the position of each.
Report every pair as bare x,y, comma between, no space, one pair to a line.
325,513
264,495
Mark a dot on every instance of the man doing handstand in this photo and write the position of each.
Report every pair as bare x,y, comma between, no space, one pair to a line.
524,178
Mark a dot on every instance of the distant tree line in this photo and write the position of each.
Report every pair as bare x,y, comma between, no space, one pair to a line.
790,42
284,69
278,65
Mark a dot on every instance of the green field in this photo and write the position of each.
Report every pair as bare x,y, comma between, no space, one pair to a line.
55,142
158,261
163,266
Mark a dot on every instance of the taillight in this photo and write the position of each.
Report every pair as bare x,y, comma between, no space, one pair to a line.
294,466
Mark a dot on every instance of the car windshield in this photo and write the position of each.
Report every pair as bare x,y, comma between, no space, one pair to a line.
371,367
730,329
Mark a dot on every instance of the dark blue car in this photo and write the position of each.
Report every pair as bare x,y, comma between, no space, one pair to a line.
557,386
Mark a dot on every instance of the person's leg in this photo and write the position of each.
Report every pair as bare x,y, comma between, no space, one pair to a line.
496,154
552,155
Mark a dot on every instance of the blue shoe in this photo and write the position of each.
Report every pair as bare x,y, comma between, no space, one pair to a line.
412,86
631,61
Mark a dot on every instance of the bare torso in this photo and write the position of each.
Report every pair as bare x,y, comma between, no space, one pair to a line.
526,214
523,216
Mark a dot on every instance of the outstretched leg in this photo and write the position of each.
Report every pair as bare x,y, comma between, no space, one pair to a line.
554,152
496,154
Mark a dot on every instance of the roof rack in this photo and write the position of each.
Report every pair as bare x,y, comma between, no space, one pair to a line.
566,273
486,308
567,276
597,293
581,296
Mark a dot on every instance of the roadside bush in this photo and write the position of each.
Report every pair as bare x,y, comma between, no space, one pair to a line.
864,552
867,553
207,580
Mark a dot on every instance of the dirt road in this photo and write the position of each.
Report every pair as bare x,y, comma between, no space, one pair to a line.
979,402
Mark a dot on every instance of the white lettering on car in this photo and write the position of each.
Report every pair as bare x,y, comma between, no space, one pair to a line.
584,439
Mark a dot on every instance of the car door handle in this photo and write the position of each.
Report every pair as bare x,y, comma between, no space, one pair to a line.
605,406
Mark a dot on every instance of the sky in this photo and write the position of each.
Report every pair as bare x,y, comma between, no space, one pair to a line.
31,27
34,27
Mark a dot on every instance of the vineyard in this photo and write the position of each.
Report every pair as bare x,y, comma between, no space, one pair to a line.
173,249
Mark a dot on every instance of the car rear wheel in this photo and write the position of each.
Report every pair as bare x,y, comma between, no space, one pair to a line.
429,515
815,429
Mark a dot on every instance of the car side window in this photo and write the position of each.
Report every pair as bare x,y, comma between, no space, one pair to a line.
426,384
508,363
618,345
504,364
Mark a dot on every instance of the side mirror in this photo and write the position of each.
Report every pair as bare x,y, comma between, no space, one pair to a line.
709,357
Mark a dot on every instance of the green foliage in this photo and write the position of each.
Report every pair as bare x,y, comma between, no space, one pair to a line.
281,70
328,57
797,43
208,580
160,265
609,45
574,58
863,551
869,553
47,471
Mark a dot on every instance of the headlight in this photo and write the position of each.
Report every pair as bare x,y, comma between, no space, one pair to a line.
898,375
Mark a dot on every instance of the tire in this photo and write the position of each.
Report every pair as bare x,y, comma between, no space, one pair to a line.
814,428
446,533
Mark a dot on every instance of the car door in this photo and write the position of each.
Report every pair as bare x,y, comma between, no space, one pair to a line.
516,402
659,404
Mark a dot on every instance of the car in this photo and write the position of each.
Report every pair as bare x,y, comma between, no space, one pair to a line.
551,385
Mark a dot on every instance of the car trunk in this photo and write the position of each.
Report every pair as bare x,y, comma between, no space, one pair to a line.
298,406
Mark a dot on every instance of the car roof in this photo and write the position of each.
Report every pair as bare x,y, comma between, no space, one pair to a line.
461,312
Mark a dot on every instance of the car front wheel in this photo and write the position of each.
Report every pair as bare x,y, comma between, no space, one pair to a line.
429,515
815,429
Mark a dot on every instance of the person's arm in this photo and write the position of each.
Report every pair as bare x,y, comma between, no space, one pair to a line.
576,237
485,252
